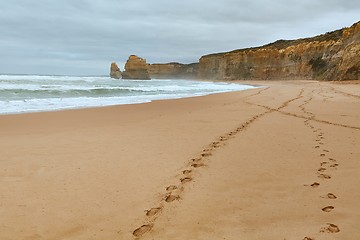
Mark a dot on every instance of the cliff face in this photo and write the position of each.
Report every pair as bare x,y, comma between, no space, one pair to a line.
136,68
331,56
173,70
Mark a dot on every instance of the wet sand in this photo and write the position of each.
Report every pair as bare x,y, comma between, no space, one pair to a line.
278,162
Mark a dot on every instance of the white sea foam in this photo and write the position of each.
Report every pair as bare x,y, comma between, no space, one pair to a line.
31,93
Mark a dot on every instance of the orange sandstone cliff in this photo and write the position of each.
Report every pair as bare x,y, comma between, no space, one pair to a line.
173,70
331,56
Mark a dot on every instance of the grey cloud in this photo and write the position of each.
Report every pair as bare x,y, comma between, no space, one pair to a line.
84,36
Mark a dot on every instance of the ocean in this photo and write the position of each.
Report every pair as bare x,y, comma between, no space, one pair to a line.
33,93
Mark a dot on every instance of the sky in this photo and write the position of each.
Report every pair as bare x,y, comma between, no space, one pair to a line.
83,37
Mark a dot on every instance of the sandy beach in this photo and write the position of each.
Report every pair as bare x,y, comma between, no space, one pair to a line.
278,162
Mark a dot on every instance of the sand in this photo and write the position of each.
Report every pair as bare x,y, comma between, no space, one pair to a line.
278,162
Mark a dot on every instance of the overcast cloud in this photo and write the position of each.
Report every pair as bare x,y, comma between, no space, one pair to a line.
83,37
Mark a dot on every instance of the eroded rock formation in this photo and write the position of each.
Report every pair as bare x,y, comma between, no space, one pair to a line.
331,56
115,71
136,68
173,70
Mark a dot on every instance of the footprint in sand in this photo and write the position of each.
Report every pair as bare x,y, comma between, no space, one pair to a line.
186,179
317,146
324,176
142,230
323,163
322,155
327,208
331,228
330,196
332,159
334,165
223,138
326,150
206,154
314,185
152,212
196,159
308,238
171,188
197,165
321,169
171,198
185,172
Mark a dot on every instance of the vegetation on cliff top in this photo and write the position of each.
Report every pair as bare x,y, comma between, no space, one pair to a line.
282,44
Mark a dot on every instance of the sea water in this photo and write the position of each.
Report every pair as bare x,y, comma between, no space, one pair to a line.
33,93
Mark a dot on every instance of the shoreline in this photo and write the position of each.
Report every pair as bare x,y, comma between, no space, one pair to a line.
254,164
135,99
116,105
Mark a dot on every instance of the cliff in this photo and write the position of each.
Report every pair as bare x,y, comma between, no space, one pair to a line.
173,70
331,56
115,71
136,68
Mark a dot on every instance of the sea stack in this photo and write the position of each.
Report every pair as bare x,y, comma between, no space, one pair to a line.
136,68
115,71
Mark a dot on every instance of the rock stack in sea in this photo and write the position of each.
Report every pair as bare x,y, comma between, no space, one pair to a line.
136,68
115,71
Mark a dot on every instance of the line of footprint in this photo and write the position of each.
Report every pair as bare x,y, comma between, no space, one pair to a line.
322,171
326,98
311,116
324,165
279,109
174,192
345,93
330,227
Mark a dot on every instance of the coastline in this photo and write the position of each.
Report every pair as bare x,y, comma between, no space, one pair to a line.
77,93
91,173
